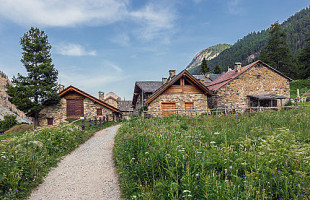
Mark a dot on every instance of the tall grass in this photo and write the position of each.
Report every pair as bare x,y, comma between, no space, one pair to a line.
257,156
25,159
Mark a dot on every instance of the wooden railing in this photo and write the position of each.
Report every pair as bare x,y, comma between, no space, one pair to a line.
94,123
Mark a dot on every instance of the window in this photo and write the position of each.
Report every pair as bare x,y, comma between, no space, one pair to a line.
258,76
178,82
99,111
186,82
50,121
189,106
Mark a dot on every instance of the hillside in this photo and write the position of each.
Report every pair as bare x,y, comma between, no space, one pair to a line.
247,49
208,54
6,107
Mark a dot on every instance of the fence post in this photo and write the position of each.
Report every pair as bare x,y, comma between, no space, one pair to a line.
95,122
89,124
99,121
107,118
83,124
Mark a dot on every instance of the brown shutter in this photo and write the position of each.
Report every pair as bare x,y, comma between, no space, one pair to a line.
189,107
49,121
75,108
168,108
99,111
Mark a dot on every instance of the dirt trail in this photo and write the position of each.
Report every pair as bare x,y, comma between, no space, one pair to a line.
86,173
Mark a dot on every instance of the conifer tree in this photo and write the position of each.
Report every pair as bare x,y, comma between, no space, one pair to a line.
277,53
204,66
217,69
304,59
30,92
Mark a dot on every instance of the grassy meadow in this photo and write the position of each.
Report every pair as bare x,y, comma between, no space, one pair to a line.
250,156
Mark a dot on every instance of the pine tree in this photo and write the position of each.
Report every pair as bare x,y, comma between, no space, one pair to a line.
217,69
30,92
204,66
277,53
304,59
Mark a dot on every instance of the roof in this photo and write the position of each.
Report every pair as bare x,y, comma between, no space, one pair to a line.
125,106
164,87
74,89
145,87
231,75
206,79
267,96
111,94
149,86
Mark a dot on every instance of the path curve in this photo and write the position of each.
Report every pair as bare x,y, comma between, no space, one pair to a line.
86,173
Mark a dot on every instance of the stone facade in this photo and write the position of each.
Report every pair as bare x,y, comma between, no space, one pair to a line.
199,103
58,112
257,80
111,101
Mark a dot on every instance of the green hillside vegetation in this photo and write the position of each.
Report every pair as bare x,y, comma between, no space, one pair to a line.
247,49
302,85
257,156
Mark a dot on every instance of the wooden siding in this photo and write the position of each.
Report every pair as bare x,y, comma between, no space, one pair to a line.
189,106
168,109
183,89
75,108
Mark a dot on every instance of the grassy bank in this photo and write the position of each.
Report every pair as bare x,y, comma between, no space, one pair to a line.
257,156
302,85
26,158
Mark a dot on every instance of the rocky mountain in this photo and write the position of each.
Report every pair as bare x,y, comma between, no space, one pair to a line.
247,49
208,54
6,107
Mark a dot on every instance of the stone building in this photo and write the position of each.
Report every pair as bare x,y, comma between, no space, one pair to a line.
111,98
142,90
75,103
181,94
255,85
126,108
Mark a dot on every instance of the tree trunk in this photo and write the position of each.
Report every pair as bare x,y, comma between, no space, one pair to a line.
36,120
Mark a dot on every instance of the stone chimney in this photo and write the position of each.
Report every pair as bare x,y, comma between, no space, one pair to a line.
171,73
237,67
164,80
61,88
202,81
101,96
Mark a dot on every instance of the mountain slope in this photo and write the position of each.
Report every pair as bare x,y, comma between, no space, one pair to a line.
247,49
208,54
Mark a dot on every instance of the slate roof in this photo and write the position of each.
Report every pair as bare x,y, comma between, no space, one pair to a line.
230,75
125,106
211,78
149,86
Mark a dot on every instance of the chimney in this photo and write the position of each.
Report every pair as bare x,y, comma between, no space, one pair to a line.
202,81
101,96
208,75
61,88
171,73
237,67
164,80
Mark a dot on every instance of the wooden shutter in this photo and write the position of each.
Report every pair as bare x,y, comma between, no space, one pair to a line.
49,121
75,108
189,106
99,111
168,109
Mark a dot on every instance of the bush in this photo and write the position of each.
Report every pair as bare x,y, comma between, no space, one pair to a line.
9,121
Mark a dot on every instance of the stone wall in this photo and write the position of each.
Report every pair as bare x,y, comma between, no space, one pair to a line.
111,102
199,100
59,112
255,81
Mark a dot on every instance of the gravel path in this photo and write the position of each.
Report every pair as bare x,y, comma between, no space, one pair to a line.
86,173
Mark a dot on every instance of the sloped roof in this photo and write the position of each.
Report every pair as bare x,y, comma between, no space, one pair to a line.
149,86
231,75
125,106
111,94
74,89
164,87
209,79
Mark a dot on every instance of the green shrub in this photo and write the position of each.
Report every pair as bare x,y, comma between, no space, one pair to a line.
9,121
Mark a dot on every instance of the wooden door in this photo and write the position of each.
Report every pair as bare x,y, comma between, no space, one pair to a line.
168,109
75,108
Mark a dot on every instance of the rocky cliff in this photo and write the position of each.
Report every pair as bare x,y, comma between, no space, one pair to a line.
6,107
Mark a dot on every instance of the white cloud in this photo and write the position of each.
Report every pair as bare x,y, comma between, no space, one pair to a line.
110,64
70,49
234,7
152,20
62,13
121,39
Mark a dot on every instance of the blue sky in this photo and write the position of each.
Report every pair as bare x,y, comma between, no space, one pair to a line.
107,45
